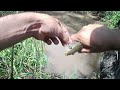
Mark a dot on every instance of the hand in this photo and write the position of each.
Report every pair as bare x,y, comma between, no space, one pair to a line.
94,38
50,30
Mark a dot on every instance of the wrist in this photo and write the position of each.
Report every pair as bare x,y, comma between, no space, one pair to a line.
35,21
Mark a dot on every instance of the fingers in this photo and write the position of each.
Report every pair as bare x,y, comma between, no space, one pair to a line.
64,35
84,50
46,36
65,40
54,40
49,40
89,50
56,30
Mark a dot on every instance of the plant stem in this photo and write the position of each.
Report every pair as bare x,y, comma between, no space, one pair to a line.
11,76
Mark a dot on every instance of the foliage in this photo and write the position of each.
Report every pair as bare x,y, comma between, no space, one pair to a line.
28,58
111,18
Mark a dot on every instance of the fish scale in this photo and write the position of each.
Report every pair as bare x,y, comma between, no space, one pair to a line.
72,48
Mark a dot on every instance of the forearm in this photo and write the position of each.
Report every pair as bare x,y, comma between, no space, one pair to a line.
11,37
13,29
105,39
111,39
116,40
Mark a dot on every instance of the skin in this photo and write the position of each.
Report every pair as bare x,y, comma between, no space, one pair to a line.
97,38
18,27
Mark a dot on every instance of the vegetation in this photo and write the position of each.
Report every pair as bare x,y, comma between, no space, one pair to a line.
111,18
26,59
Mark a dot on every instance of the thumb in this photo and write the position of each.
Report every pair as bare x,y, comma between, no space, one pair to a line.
89,50
85,50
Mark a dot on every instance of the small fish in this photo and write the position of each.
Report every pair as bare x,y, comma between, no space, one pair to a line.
72,48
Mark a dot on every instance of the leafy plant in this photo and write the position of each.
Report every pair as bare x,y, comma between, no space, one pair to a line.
111,18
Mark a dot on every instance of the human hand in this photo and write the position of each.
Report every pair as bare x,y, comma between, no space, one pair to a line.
50,30
94,38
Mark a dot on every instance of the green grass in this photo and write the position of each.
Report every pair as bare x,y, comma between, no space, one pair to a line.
29,59
25,60
111,18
